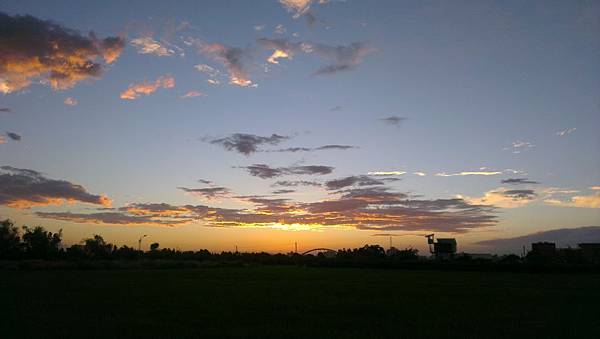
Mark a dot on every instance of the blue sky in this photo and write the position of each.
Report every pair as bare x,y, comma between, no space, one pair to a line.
480,87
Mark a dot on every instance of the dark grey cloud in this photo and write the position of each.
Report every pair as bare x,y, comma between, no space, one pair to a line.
563,237
5,109
283,191
360,180
393,120
246,143
13,136
24,188
312,149
202,181
208,193
265,171
516,181
296,183
336,109
33,49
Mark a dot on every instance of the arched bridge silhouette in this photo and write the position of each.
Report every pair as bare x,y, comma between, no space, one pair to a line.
318,249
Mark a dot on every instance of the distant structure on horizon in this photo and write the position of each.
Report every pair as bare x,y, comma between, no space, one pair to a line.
443,248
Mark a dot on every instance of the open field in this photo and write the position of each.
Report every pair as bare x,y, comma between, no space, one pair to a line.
293,302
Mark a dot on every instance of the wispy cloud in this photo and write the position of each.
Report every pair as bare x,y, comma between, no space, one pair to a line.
24,188
192,94
312,149
266,172
145,88
208,193
300,7
566,132
295,183
467,173
581,201
147,45
517,181
519,146
70,101
233,58
420,174
34,49
393,120
386,173
245,144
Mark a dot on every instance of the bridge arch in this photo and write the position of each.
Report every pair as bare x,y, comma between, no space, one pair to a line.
318,249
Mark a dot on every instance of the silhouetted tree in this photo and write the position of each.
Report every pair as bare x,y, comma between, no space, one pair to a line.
41,244
154,246
96,247
10,241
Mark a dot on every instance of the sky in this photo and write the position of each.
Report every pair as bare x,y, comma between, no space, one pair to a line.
261,124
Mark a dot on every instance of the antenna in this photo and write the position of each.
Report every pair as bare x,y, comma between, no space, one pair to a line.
295,247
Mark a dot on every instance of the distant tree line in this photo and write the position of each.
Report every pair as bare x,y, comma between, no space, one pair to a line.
37,243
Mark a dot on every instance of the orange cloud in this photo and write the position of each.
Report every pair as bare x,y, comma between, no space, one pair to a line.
136,90
34,49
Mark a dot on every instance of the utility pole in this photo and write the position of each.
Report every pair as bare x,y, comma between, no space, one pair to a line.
140,242
295,247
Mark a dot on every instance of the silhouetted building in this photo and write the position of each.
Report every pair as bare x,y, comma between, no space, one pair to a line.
590,252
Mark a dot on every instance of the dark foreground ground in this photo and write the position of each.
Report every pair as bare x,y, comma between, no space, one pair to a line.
294,302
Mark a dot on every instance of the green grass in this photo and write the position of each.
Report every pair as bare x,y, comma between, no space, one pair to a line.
292,302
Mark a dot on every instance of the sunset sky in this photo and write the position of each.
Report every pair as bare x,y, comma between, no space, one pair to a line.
211,124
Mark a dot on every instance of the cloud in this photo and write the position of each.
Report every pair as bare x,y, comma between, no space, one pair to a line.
283,191
421,174
13,136
519,146
192,94
336,109
265,171
212,73
70,101
562,237
280,29
259,27
388,173
115,218
5,110
24,188
393,120
360,180
295,183
233,58
580,201
2,140
505,198
343,57
566,132
517,181
300,7
246,144
136,90
203,181
209,193
467,173
312,149
147,45
34,49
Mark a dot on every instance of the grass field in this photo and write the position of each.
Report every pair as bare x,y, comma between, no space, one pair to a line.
293,302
